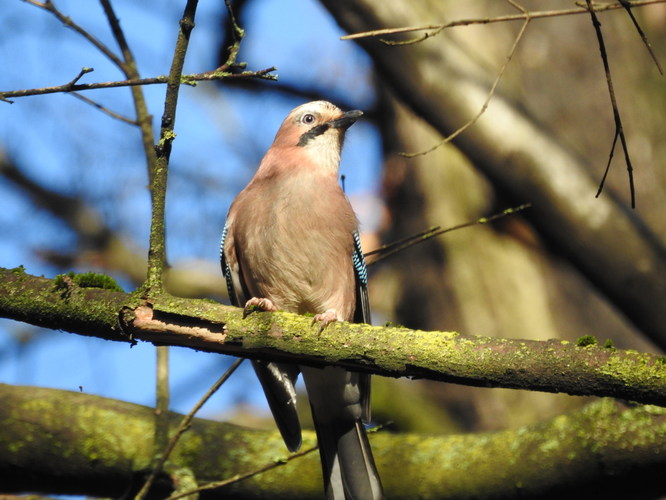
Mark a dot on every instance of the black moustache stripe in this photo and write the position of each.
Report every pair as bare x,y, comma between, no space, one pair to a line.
313,133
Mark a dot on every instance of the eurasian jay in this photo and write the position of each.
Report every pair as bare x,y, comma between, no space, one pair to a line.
291,243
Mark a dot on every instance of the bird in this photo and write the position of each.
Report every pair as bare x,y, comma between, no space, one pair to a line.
291,243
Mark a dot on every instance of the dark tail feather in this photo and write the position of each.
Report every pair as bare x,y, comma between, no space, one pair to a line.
349,469
277,380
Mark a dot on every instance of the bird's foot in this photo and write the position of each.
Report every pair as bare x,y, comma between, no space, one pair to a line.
325,318
258,304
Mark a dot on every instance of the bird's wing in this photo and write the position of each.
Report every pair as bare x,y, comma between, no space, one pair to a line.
362,315
362,312
226,263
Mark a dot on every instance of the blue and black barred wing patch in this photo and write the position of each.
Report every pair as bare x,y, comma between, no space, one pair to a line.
362,312
226,269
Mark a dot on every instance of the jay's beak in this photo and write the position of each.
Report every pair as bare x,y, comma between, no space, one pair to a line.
346,120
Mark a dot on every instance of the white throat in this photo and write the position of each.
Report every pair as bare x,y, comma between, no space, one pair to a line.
324,151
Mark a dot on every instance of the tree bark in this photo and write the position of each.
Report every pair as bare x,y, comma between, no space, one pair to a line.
551,366
72,443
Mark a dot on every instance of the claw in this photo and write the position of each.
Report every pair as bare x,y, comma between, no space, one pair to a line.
326,318
258,304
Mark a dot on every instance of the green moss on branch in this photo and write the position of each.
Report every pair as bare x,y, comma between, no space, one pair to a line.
550,366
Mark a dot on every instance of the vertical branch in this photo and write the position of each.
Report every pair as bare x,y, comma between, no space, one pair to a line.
619,130
158,186
157,251
162,399
157,247
237,34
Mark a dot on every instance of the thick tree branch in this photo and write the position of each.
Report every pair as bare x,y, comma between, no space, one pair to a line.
550,366
102,447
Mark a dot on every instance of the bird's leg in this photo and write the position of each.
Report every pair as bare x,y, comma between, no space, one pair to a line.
258,304
326,318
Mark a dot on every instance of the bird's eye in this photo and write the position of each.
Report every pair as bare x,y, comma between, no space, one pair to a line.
308,118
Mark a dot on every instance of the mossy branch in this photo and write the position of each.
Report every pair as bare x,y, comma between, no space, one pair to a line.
104,448
550,366
158,186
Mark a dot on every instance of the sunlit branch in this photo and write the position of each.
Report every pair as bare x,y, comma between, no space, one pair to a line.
222,73
397,246
500,19
490,95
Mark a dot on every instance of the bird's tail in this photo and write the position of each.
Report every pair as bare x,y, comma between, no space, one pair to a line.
339,402
349,468
277,380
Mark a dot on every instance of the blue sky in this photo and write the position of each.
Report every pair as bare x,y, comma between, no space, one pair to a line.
221,134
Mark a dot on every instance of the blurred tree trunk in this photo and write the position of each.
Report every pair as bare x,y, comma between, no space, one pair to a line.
560,267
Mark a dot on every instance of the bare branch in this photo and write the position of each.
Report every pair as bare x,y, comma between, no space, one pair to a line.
158,174
627,6
182,427
241,477
103,109
130,70
397,246
500,19
218,74
619,130
50,6
490,95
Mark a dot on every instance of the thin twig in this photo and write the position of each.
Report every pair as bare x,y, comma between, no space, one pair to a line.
397,246
402,243
119,35
516,6
499,19
247,475
157,245
619,131
49,6
103,109
430,34
183,426
627,6
130,69
237,33
78,77
264,74
412,41
491,93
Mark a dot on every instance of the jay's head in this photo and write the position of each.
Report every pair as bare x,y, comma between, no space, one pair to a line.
317,129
